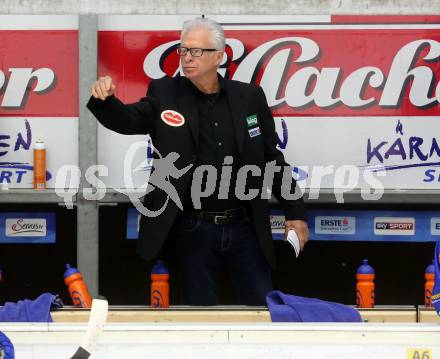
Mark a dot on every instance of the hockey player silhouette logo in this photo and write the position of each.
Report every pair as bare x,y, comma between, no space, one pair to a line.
163,170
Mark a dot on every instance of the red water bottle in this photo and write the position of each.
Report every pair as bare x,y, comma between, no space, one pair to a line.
160,297
77,288
429,284
365,285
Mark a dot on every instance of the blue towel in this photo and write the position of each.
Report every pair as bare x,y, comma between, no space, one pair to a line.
291,308
6,346
436,290
37,310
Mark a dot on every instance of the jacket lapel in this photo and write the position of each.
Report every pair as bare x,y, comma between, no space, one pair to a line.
188,106
237,108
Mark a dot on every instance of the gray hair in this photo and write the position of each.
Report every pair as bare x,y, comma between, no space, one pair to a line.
218,35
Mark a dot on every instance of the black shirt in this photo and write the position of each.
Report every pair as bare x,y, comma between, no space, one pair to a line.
216,141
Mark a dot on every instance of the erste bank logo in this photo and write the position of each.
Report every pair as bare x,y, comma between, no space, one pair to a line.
277,223
335,225
435,226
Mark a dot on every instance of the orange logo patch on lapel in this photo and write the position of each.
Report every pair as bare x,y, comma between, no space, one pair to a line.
172,118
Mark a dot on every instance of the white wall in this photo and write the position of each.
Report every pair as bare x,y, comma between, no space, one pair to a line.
409,7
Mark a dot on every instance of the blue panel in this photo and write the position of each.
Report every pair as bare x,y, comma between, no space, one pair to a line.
344,225
132,223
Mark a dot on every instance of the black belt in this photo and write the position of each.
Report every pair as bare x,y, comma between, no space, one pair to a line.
221,217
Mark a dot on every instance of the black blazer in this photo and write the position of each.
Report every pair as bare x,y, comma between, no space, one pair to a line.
176,94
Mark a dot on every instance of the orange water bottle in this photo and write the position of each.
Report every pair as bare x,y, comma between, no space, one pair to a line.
77,288
429,284
39,165
365,285
160,289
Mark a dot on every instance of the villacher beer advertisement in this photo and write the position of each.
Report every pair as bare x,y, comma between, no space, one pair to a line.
354,103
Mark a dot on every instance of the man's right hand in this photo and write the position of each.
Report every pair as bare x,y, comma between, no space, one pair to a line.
103,88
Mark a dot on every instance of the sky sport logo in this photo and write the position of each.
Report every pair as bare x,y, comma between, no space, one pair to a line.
394,226
435,226
26,227
335,225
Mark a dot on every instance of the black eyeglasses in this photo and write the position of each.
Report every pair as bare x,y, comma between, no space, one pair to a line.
194,51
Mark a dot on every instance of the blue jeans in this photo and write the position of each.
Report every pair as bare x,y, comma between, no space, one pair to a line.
202,248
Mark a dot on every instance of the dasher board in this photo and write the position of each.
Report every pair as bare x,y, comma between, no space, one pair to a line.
404,314
229,340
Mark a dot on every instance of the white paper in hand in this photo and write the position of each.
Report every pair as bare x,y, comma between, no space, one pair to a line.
292,238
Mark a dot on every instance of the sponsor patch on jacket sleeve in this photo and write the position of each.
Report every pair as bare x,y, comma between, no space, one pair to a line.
252,120
254,132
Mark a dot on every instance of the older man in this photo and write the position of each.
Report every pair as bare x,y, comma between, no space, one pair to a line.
219,124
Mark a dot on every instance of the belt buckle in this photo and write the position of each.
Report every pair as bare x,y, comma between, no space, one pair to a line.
216,218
